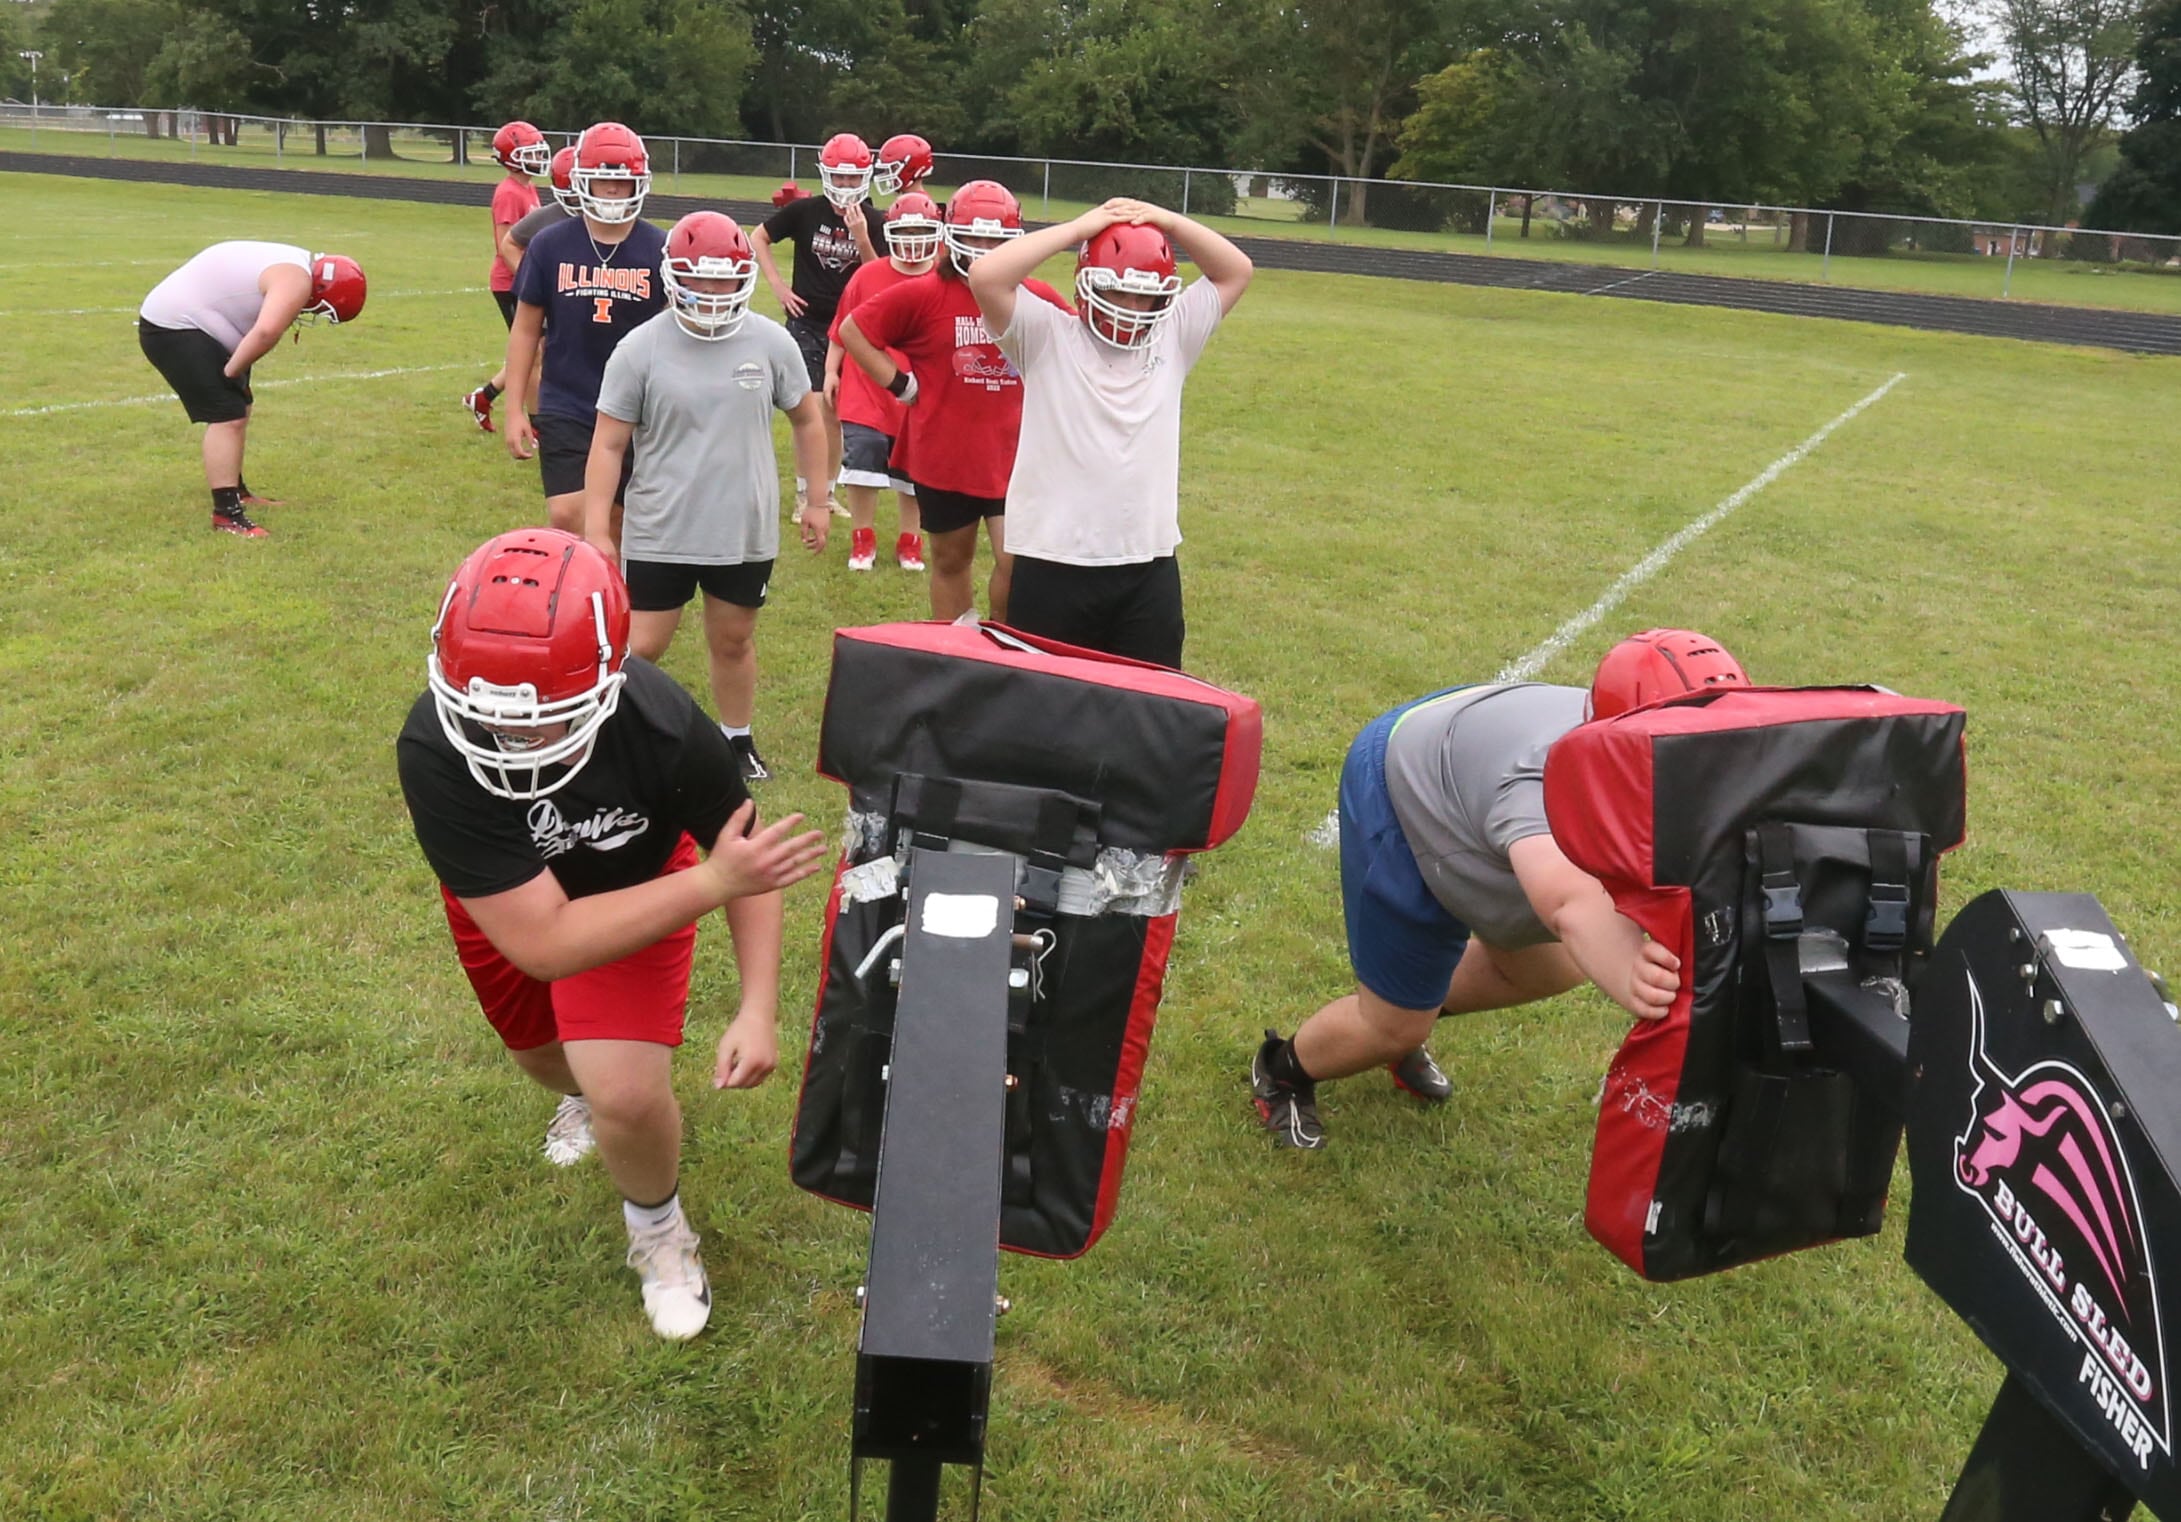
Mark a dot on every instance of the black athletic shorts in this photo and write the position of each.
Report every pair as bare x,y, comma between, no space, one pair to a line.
810,337
655,586
1132,610
194,365
946,511
564,449
507,306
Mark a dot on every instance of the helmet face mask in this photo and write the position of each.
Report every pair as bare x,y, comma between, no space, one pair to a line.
844,170
707,246
1657,664
1126,282
914,232
526,660
610,153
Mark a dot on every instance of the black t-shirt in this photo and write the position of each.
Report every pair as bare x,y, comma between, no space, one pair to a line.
659,768
825,251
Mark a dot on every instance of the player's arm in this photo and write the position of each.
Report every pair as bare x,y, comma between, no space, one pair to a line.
834,354
522,352
503,242
1611,950
874,361
995,278
749,1049
602,482
859,228
1227,267
286,288
761,245
550,935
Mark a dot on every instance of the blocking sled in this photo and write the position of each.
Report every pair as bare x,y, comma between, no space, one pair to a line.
1784,843
1099,774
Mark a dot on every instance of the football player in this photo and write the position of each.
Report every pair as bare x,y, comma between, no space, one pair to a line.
964,399
1095,499
831,237
870,419
206,324
694,391
558,787
904,163
521,150
583,286
1455,895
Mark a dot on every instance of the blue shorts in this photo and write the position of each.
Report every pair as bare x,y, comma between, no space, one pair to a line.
1401,941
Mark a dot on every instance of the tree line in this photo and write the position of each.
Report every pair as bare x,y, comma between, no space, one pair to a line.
1859,105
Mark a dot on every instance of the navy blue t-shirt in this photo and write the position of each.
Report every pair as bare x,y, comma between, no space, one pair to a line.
594,296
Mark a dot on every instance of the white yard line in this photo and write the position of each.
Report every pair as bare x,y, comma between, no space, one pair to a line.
1327,832
299,380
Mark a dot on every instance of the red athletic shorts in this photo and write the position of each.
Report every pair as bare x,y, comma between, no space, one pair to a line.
642,997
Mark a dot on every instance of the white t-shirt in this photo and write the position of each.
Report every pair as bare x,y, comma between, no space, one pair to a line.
1098,471
217,292
706,486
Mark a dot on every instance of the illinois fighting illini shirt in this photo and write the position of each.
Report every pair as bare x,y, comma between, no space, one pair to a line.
594,295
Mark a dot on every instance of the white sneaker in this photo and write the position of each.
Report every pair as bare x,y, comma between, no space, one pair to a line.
568,1137
677,1296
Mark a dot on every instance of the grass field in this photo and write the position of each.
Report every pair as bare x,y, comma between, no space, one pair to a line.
275,1242
2061,281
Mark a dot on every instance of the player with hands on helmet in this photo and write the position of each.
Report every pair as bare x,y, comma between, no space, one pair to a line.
1455,894
963,399
559,788
1094,504
583,286
832,237
521,150
871,420
206,324
689,396
903,164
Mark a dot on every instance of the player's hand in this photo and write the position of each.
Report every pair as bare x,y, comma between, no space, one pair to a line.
816,522
749,1049
832,391
522,439
852,217
1652,982
790,303
763,861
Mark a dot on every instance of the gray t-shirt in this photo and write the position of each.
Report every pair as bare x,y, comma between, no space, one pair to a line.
706,487
1466,773
550,213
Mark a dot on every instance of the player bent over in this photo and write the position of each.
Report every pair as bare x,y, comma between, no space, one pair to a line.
870,419
1455,895
559,787
206,324
694,390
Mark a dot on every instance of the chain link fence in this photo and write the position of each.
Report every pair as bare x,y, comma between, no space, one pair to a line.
1635,231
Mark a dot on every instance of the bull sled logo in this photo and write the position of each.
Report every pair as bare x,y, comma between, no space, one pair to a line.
2043,1160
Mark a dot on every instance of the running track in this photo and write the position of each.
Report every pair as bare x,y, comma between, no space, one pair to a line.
2135,332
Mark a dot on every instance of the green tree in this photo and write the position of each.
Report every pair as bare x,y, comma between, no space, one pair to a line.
661,66
2070,61
108,46
873,67
2144,192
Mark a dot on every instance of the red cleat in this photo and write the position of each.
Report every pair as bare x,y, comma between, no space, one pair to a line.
480,406
909,552
237,522
862,549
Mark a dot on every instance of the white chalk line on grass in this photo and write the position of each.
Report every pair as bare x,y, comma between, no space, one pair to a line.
1327,831
460,290
297,380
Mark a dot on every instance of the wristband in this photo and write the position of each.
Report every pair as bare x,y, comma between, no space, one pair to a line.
901,385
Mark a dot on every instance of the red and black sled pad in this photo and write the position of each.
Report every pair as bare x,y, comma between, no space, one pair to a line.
1098,775
1764,836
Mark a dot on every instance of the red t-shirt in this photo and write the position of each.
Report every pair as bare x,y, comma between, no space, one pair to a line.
512,200
861,401
961,433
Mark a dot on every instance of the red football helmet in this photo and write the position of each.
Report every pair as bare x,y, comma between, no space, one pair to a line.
564,185
336,288
707,245
610,151
1660,663
1126,260
522,148
904,162
844,169
913,229
530,639
985,211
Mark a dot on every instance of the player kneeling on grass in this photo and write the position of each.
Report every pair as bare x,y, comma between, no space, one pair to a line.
693,390
206,324
871,420
1456,896
558,787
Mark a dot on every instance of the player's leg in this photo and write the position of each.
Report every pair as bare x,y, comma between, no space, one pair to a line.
733,595
909,543
999,589
658,591
1146,623
863,472
480,401
951,519
520,1009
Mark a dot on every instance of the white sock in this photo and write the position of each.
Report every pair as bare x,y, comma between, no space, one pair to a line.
801,486
648,1217
733,731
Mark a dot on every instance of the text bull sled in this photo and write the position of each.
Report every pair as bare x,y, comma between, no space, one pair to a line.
996,943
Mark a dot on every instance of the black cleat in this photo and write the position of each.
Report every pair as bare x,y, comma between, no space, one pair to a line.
753,765
1289,1111
1417,1074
